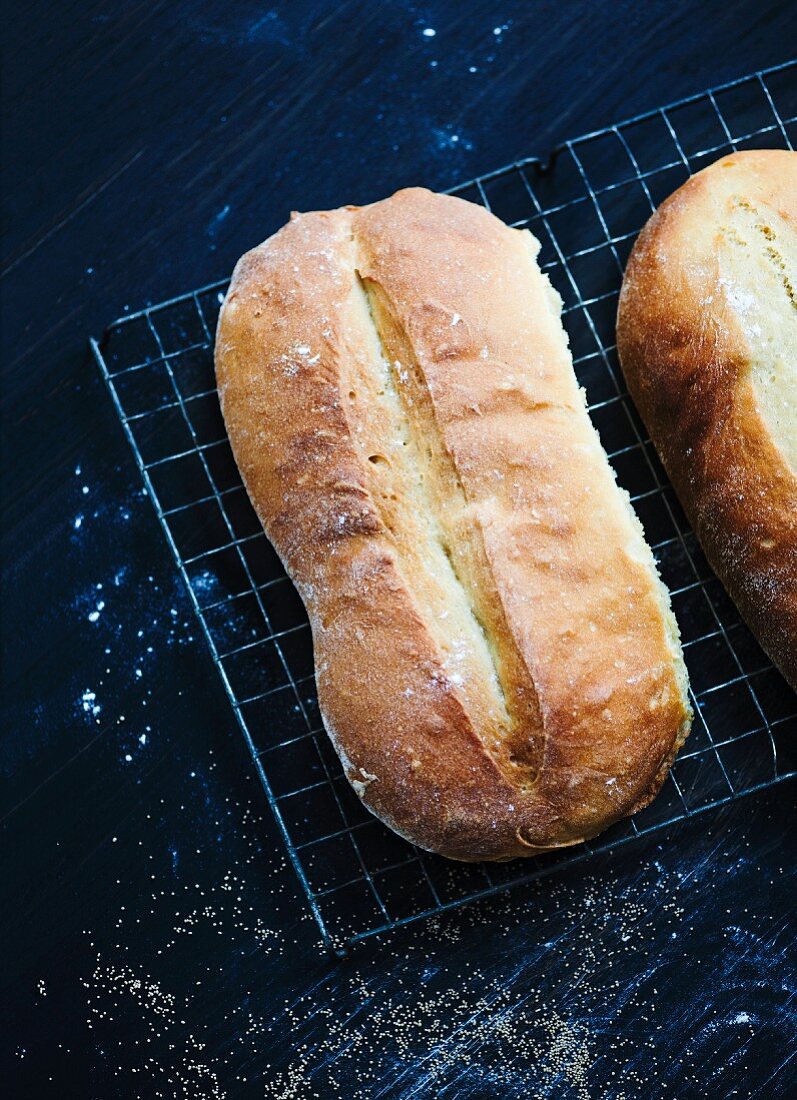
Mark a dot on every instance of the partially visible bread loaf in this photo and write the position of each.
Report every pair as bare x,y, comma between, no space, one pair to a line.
707,336
497,663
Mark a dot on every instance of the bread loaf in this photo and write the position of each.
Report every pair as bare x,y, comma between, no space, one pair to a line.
497,663
707,336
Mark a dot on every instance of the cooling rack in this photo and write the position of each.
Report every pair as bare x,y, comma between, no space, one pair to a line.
585,203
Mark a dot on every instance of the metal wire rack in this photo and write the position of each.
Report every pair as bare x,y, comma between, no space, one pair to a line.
586,204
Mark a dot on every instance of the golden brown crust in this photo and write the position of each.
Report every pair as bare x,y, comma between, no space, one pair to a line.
399,397
706,307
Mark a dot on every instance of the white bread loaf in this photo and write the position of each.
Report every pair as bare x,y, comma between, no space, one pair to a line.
497,663
707,336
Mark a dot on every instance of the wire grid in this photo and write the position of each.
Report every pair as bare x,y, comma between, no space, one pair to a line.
585,205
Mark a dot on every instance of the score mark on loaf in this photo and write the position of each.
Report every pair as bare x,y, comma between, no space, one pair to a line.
497,663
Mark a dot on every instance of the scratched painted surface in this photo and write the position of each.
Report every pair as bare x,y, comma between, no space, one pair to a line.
154,941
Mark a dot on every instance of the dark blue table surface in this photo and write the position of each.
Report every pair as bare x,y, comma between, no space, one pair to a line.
154,940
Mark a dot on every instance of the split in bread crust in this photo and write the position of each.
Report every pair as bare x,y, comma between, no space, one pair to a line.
496,660
707,336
